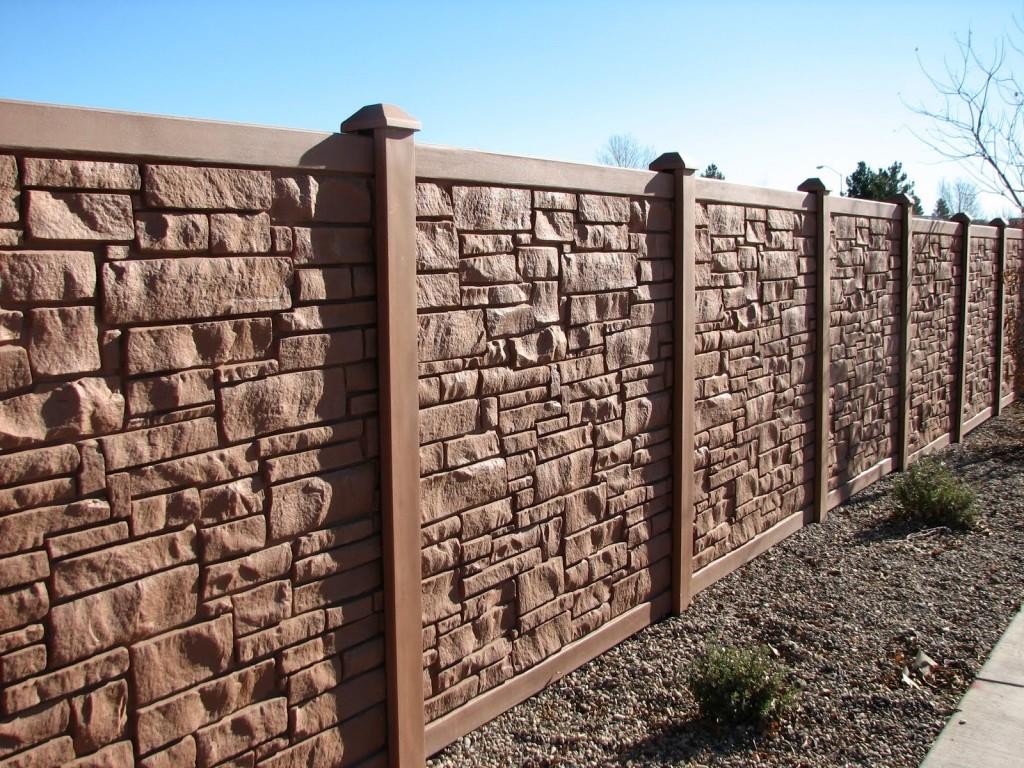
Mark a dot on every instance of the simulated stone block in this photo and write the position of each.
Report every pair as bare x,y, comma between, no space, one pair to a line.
596,272
437,246
177,289
450,335
80,174
46,276
239,233
15,372
279,402
64,412
487,208
172,232
604,209
64,340
79,216
458,490
179,186
174,347
432,200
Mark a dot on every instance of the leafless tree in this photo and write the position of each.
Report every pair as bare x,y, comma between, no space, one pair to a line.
978,117
624,151
961,196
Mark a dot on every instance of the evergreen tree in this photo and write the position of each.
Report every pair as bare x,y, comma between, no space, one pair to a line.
941,209
883,184
712,172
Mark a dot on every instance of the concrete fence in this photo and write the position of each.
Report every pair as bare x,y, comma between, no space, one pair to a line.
325,449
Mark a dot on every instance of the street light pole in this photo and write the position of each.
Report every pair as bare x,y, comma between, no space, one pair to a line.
839,189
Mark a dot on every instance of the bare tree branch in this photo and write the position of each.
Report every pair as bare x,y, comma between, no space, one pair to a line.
624,151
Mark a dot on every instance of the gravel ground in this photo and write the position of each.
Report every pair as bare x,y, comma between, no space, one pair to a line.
846,604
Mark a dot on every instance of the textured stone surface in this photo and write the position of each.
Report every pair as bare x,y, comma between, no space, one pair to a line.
488,208
66,411
172,232
174,289
63,341
80,174
46,276
178,186
79,216
175,347
239,233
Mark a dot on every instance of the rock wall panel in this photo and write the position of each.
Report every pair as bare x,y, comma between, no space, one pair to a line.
545,346
865,339
189,525
935,294
981,325
1013,320
755,348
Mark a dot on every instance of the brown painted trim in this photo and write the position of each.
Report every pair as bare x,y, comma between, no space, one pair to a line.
395,237
853,206
683,375
1000,339
960,402
936,226
447,163
487,706
758,545
976,421
990,231
823,355
58,130
712,191
868,477
905,332
935,445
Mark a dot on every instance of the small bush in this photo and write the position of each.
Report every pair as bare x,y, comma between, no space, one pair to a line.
739,685
929,493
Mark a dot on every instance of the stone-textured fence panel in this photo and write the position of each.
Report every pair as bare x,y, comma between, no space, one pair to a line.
189,508
754,459
865,336
545,347
323,449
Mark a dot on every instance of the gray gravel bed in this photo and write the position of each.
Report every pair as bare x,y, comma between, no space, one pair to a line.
846,604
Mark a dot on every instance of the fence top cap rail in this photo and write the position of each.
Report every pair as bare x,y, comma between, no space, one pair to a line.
435,161
69,130
728,193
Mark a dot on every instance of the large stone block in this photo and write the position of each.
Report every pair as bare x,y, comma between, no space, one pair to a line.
635,346
63,412
197,469
778,265
563,475
123,615
464,488
79,216
437,246
172,232
597,272
233,189
15,372
239,233
437,291
310,503
486,208
46,276
325,199
174,347
333,245
179,289
604,209
176,390
714,412
539,643
22,732
123,562
100,717
80,174
450,335
449,420
284,401
64,340
240,731
37,464
540,585
432,200
726,220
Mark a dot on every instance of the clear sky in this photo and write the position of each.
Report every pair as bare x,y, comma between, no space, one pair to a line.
767,90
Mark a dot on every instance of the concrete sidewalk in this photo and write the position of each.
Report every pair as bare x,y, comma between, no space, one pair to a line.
987,731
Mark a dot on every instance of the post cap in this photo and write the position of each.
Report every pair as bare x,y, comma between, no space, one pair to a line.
814,184
901,199
960,218
374,116
668,161
998,221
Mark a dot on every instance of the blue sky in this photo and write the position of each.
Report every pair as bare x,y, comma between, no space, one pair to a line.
767,90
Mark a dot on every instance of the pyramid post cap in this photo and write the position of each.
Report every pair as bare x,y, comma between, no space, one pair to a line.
960,218
668,161
998,221
814,184
374,116
901,199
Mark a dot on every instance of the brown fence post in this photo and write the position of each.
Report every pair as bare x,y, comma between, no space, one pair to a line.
683,381
395,239
823,344
906,297
965,281
1000,339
